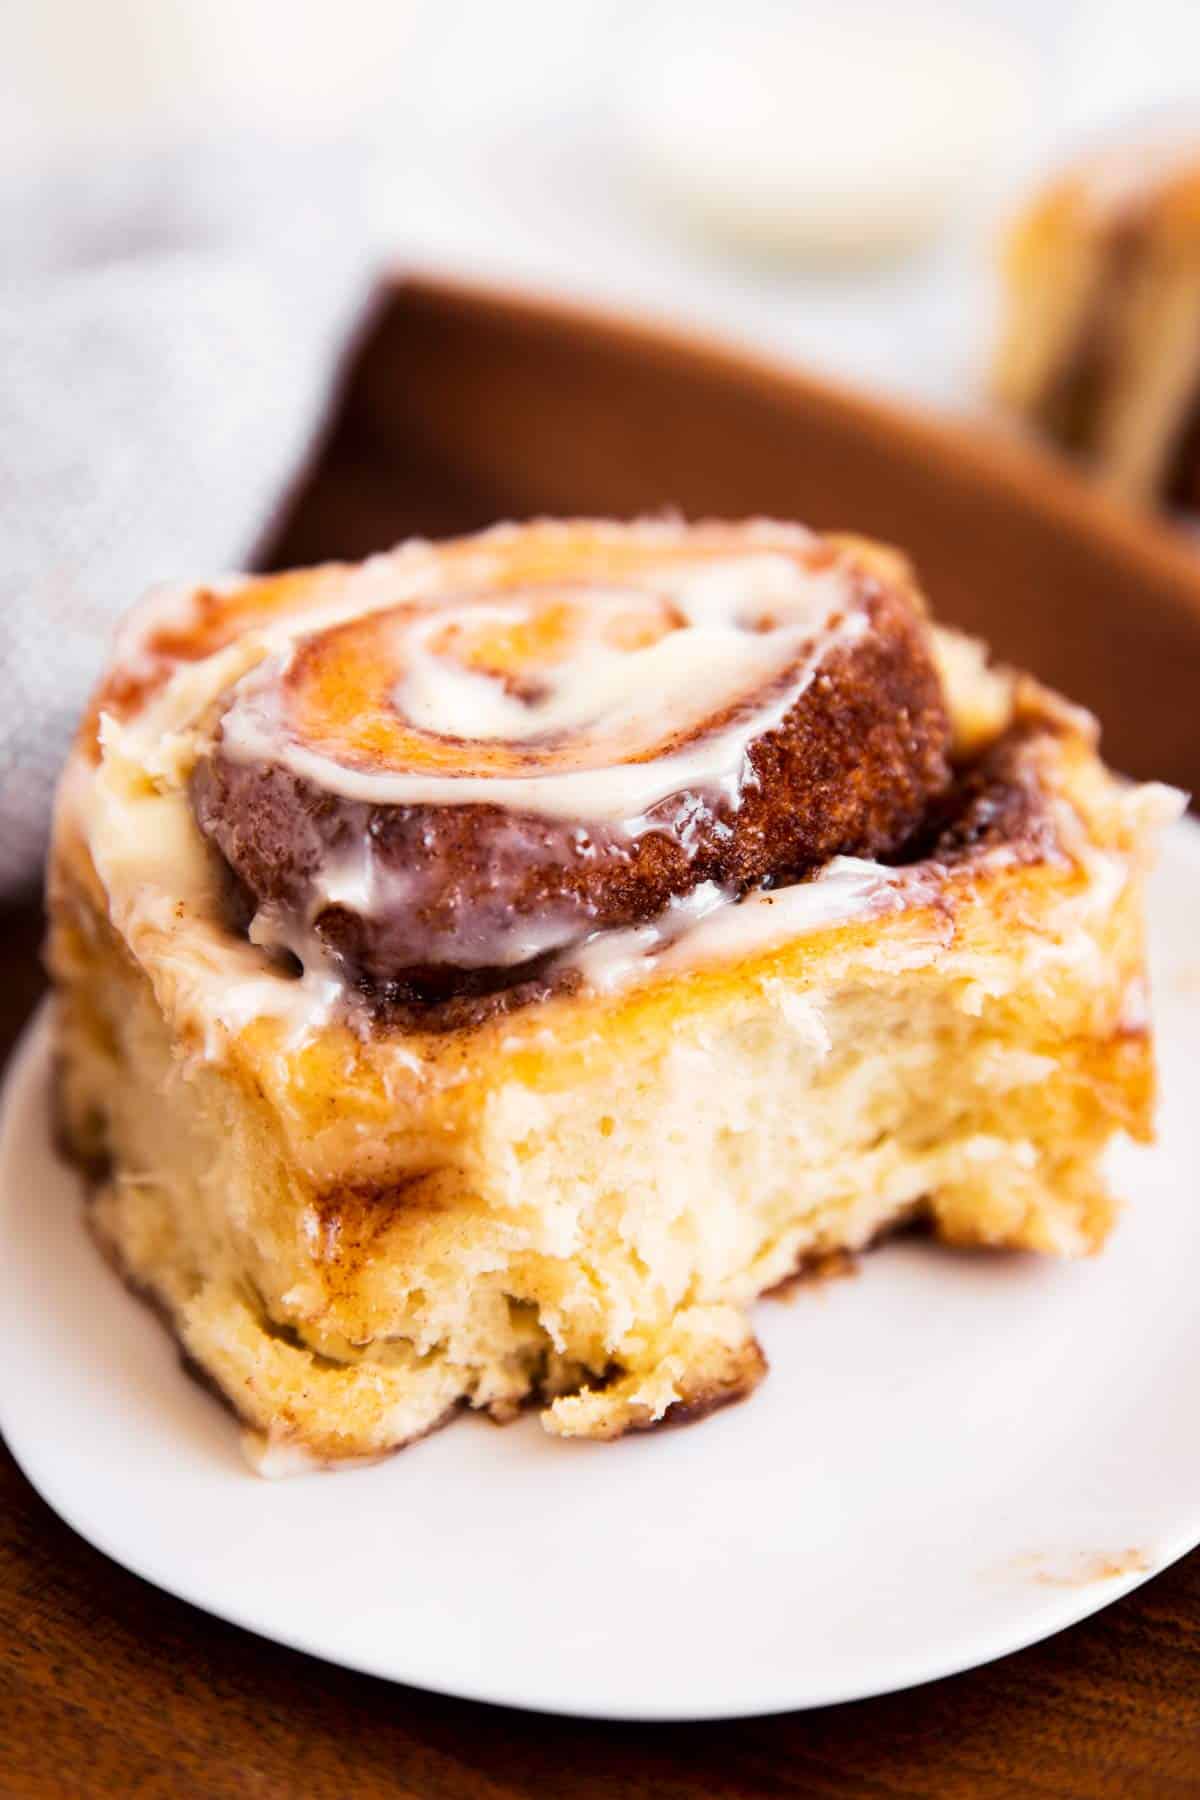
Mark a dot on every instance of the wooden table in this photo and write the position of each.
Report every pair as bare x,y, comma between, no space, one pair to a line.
460,410
108,1687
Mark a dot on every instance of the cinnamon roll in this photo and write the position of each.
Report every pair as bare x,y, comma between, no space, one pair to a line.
1100,350
482,972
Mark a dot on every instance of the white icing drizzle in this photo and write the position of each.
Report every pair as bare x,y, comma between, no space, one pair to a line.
163,899
711,925
749,605
746,618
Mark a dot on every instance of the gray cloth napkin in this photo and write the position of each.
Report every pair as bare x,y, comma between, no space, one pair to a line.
170,330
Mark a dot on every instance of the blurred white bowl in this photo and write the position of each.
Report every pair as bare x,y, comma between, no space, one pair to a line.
842,136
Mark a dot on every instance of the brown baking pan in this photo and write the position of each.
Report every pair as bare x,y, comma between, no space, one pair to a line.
463,405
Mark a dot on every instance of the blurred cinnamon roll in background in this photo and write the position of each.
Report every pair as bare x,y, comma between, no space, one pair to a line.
1100,349
482,972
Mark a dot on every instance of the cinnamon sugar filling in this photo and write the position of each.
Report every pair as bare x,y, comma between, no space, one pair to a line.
800,712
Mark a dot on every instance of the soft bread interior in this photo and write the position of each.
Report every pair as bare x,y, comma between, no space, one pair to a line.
599,1212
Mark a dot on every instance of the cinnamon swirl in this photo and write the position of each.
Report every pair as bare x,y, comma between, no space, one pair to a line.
482,972
592,728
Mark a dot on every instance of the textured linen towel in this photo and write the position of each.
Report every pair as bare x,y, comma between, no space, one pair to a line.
170,329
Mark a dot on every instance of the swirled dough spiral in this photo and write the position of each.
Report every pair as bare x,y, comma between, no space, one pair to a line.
567,737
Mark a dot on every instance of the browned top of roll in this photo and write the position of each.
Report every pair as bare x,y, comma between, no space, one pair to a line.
566,730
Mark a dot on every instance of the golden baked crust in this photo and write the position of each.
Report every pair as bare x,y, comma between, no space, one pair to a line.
358,1221
1100,348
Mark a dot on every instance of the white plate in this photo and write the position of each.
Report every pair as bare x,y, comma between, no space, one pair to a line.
954,1455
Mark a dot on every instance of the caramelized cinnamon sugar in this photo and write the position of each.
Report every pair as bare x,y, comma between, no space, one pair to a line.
705,1399
996,805
828,737
353,1216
